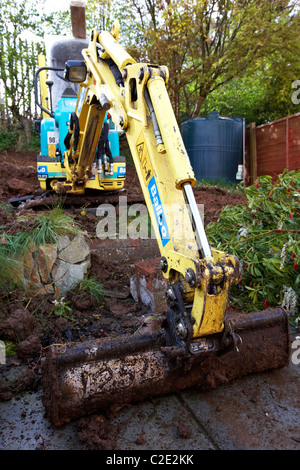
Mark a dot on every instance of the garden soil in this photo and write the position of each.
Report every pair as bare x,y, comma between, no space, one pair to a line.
28,321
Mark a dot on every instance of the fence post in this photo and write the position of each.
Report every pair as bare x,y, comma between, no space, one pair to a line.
253,153
78,19
287,160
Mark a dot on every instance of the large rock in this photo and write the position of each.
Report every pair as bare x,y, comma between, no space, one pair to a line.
47,255
32,280
57,267
67,275
76,251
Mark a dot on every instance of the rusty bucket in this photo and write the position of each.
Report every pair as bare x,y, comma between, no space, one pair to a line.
83,378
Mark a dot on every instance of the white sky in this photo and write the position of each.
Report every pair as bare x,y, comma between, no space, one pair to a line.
50,6
56,5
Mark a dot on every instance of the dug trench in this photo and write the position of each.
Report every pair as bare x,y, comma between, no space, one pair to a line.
28,322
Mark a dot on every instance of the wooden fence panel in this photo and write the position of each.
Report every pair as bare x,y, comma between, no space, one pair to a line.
294,142
272,147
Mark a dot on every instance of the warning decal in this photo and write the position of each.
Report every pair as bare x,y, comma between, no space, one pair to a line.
144,159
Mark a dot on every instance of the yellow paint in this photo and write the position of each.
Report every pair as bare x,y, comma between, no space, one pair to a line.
167,165
58,174
51,150
179,161
43,86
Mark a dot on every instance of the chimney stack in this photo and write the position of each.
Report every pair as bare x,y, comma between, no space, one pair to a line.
78,19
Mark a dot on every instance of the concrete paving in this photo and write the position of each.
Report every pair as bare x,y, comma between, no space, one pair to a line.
258,412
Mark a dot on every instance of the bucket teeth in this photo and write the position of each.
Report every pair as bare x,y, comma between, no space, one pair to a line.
81,379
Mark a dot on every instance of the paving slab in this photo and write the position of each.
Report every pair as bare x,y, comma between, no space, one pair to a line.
162,424
23,427
258,412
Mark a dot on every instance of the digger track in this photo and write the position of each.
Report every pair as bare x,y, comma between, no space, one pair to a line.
89,200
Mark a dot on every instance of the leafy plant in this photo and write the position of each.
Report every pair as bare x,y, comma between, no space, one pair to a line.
264,235
10,348
62,308
5,206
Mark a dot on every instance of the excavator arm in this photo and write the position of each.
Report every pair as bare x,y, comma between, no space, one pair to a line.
135,95
195,333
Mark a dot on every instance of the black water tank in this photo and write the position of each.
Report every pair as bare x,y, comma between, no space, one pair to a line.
215,146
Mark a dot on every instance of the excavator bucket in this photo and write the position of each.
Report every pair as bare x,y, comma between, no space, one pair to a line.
79,379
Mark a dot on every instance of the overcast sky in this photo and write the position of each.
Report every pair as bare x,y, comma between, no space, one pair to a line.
50,6
56,5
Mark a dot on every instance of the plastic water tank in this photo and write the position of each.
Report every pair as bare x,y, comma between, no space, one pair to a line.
215,146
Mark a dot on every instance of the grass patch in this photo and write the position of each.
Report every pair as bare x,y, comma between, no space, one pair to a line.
11,267
6,207
220,183
91,286
46,227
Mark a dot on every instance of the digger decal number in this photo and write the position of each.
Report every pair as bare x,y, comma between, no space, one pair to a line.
42,172
52,141
121,172
158,211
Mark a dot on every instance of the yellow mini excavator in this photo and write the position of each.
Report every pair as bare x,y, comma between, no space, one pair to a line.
195,342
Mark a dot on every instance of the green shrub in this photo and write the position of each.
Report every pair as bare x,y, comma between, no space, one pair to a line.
8,139
16,138
264,235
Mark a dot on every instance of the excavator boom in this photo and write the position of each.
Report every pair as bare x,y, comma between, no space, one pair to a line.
195,342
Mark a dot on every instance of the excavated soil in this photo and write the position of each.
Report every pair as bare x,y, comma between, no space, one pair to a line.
28,321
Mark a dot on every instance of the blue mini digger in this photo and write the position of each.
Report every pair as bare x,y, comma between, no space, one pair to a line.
67,144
